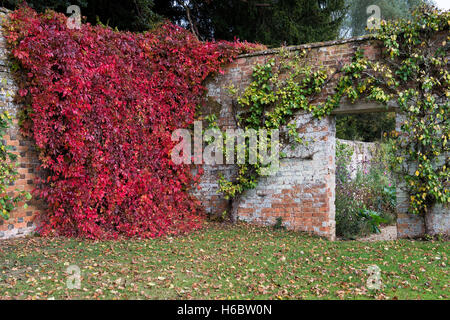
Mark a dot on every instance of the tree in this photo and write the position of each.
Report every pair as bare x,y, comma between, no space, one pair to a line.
135,15
369,127
271,22
364,127
356,20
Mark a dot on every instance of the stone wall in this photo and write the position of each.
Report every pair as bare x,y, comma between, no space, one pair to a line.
363,153
302,193
411,226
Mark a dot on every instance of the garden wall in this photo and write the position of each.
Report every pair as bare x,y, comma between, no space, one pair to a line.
302,192
21,220
363,153
410,226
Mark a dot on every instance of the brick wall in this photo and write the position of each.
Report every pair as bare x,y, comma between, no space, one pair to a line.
410,226
21,220
302,192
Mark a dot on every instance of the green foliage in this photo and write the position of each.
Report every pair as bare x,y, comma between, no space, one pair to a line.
349,224
134,15
373,218
355,22
283,22
273,23
8,173
279,224
412,71
366,127
279,89
343,158
367,200
415,69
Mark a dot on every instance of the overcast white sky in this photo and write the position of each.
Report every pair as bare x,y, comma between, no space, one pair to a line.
443,4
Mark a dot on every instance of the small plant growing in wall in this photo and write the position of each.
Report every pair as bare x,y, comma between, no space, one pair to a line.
278,225
8,173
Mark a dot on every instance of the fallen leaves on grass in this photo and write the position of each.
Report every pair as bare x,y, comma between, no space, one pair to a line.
223,262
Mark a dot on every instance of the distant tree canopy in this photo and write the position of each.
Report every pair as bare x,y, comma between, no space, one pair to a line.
271,22
134,15
364,127
356,20
370,127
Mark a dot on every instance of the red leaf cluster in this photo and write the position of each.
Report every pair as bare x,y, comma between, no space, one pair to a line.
102,107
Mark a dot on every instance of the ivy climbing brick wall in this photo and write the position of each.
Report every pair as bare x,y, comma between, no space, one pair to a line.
409,225
302,193
21,220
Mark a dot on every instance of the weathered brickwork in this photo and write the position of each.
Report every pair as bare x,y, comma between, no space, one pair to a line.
302,192
21,219
410,226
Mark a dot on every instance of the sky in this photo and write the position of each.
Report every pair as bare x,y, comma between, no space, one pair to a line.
443,4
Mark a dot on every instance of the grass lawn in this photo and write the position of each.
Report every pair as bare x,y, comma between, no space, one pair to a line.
224,262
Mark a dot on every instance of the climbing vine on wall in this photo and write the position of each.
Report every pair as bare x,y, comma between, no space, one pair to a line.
279,89
101,106
8,173
412,71
415,72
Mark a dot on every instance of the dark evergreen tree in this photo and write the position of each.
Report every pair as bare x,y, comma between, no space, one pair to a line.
370,127
134,15
271,22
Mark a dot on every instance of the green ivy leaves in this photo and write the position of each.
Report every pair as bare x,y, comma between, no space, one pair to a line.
8,173
412,71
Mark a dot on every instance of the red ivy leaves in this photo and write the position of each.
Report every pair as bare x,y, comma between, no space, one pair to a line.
103,105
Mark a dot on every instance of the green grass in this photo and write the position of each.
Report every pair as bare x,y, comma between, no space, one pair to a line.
224,262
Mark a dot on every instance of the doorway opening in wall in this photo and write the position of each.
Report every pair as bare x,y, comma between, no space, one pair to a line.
365,182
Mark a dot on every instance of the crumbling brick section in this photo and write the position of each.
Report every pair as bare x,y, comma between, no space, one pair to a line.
302,192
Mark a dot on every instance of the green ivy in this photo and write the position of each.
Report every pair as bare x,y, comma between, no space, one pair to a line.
415,70
412,71
8,173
